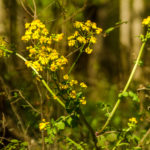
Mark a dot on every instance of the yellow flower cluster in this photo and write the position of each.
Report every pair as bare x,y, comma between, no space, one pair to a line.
133,120
82,100
83,85
70,85
43,124
73,94
146,21
41,55
66,77
35,30
57,37
85,34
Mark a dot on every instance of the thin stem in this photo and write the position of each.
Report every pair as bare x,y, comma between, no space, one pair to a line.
35,11
42,114
73,65
134,68
23,6
29,104
52,93
144,137
37,73
89,128
124,90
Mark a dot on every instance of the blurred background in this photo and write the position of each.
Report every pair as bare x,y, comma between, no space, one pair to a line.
105,71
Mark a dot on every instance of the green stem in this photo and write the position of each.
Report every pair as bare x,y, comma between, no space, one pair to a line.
37,73
124,90
71,68
52,93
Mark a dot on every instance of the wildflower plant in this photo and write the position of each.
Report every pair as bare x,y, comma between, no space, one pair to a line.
42,57
68,92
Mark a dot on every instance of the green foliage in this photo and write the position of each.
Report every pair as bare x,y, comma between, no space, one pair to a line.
104,107
15,144
47,69
129,94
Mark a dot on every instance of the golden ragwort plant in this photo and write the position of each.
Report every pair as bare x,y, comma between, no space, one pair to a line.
42,57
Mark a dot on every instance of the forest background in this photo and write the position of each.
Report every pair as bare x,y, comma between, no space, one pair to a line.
105,71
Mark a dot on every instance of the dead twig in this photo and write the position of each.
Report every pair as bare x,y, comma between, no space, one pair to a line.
144,137
30,105
26,10
35,10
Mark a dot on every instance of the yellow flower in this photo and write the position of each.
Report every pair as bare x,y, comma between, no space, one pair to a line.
44,31
83,85
28,63
94,25
88,23
73,82
53,67
73,94
99,30
81,39
76,33
93,39
43,120
27,25
62,86
78,24
55,97
70,37
26,37
82,100
146,21
58,37
37,66
71,43
85,28
66,77
133,120
43,124
88,50
32,51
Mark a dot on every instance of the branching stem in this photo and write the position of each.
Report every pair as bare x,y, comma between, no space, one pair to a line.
37,73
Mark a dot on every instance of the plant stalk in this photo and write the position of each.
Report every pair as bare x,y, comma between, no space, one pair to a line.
73,65
124,90
37,73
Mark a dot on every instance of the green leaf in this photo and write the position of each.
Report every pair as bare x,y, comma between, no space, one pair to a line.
137,148
24,144
109,30
69,121
112,137
101,141
60,125
123,144
14,141
123,94
134,96
79,94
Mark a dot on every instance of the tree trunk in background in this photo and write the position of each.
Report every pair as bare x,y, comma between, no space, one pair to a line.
2,16
136,26
125,15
